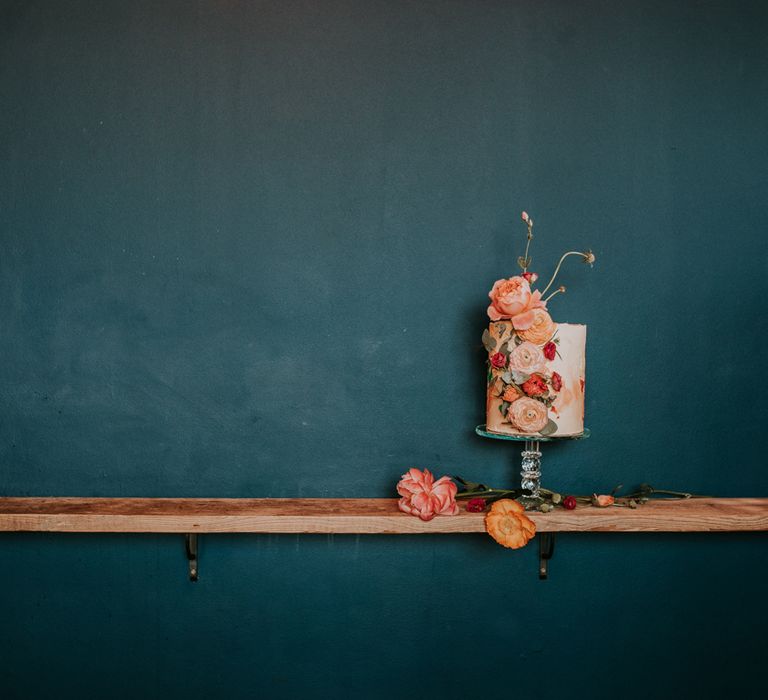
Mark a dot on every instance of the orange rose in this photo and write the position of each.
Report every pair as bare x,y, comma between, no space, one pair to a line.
508,524
528,415
541,330
512,299
511,393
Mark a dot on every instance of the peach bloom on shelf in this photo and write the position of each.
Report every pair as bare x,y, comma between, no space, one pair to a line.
511,393
528,415
508,524
527,358
425,497
512,299
542,328
602,501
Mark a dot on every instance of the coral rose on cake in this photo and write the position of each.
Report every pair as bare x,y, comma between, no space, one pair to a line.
528,415
542,328
527,358
535,386
512,299
425,497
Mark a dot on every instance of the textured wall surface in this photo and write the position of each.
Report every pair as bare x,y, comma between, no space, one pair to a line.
245,249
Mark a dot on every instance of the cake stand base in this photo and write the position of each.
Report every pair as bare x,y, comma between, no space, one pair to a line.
530,473
530,476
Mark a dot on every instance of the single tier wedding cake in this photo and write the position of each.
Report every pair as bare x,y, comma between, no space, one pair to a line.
535,366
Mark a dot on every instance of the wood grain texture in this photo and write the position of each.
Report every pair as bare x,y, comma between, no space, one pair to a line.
355,516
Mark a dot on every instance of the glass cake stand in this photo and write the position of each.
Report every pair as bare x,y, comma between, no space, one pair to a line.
530,474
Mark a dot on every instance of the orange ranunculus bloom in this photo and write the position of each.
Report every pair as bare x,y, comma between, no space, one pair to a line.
508,524
541,329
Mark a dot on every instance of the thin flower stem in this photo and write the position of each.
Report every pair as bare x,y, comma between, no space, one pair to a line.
557,269
555,293
528,245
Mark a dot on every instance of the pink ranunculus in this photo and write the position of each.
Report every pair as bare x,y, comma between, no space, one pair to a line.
425,497
528,359
512,299
550,350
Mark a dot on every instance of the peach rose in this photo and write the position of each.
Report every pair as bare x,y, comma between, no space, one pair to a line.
541,330
602,501
512,299
527,358
528,415
511,393
425,497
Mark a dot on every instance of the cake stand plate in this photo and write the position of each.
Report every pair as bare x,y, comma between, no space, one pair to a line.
530,474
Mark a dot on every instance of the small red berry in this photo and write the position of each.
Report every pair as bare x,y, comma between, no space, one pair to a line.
476,505
569,503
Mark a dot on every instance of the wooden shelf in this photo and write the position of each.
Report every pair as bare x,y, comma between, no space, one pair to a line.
355,515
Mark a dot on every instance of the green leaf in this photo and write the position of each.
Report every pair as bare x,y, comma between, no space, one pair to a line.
549,428
505,407
489,342
518,340
501,328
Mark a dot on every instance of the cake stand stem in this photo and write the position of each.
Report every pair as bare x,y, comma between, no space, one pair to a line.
530,475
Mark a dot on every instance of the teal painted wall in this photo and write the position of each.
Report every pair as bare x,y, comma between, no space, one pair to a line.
245,249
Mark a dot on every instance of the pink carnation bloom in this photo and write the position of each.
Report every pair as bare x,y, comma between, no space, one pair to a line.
425,497
512,299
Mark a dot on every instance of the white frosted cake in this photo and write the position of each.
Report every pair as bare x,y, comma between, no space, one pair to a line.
535,384
535,381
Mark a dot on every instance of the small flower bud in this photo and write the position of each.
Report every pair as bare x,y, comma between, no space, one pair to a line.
602,501
545,507
557,498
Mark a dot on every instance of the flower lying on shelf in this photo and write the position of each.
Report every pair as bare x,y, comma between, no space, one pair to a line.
508,524
425,497
475,493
